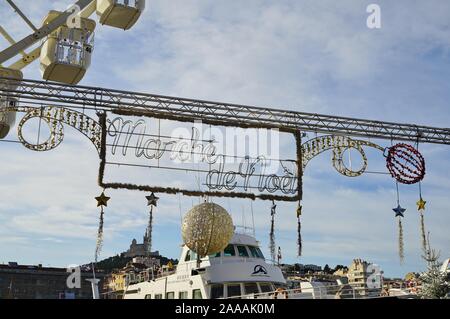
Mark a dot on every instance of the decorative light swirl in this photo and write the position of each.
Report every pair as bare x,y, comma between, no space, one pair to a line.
56,131
338,144
55,117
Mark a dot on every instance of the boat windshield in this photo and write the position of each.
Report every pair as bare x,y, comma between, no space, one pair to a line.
235,250
256,252
190,255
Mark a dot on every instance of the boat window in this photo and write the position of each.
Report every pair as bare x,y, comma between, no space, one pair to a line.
253,251
256,252
216,291
229,251
148,296
242,250
183,295
190,255
158,296
234,290
196,294
251,288
170,295
265,288
260,253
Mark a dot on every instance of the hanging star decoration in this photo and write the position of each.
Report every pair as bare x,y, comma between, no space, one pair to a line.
102,201
152,201
399,211
421,204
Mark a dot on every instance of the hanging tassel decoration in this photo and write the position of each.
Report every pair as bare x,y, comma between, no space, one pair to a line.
149,232
99,244
279,257
421,208
102,202
399,212
422,229
299,231
401,252
272,232
152,201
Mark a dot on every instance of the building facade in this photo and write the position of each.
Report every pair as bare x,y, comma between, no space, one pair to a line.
37,282
141,268
361,278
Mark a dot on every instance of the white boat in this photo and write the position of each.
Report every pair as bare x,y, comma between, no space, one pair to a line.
240,270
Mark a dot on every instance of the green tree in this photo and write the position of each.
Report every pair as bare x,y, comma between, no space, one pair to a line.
434,281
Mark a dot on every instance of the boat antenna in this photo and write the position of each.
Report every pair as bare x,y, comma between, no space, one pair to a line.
94,283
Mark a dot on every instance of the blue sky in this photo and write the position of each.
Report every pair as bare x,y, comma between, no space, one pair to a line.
313,56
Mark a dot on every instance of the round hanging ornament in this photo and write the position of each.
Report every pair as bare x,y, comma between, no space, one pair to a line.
405,163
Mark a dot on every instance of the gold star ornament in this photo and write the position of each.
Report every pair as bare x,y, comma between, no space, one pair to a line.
421,204
102,200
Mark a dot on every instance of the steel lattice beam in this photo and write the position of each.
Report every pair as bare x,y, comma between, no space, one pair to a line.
39,92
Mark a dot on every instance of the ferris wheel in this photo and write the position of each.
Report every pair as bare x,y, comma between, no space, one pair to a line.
63,43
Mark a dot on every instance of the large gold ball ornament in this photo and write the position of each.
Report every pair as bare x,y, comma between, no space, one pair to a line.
207,229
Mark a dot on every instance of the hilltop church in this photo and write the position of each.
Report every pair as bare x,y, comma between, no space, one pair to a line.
140,250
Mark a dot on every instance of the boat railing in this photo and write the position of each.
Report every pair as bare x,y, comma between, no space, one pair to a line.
226,259
164,273
148,275
318,292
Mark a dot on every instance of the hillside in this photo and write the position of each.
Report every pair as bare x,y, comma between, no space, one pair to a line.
118,262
